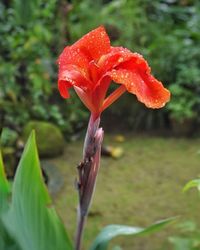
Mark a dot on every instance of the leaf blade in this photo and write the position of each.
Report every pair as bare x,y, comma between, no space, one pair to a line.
191,184
4,186
32,220
112,231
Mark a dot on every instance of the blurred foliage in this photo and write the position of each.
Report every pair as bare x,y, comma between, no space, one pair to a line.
29,34
33,33
189,238
8,137
166,32
189,232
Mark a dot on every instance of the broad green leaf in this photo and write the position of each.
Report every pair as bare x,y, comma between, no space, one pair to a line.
191,184
112,231
4,187
6,242
32,220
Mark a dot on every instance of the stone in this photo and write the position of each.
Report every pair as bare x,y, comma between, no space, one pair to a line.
49,138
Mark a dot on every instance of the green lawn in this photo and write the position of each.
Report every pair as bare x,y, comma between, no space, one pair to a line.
143,186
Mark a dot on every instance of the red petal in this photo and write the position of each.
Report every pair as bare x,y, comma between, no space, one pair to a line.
69,76
73,56
116,56
147,89
63,89
96,43
85,98
99,92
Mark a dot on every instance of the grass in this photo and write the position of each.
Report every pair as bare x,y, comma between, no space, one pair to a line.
143,186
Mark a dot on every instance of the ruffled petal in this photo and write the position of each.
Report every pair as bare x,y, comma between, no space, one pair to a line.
73,56
71,76
147,89
116,56
91,63
94,44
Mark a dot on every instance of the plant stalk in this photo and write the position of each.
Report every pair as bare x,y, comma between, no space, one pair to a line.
79,233
87,173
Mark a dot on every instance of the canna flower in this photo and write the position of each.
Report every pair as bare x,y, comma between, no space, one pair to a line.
91,64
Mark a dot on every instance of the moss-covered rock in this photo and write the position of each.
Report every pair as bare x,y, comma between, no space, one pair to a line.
49,138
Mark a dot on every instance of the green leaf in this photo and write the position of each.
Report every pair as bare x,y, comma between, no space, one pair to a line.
112,231
182,243
32,220
6,242
191,184
4,187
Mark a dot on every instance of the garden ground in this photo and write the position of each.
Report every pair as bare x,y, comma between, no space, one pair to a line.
141,187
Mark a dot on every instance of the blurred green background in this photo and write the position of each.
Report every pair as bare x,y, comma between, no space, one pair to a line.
33,34
166,32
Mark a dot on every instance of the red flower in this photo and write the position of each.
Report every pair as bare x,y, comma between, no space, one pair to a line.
90,64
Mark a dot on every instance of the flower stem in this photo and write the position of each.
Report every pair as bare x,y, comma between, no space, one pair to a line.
79,233
87,173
